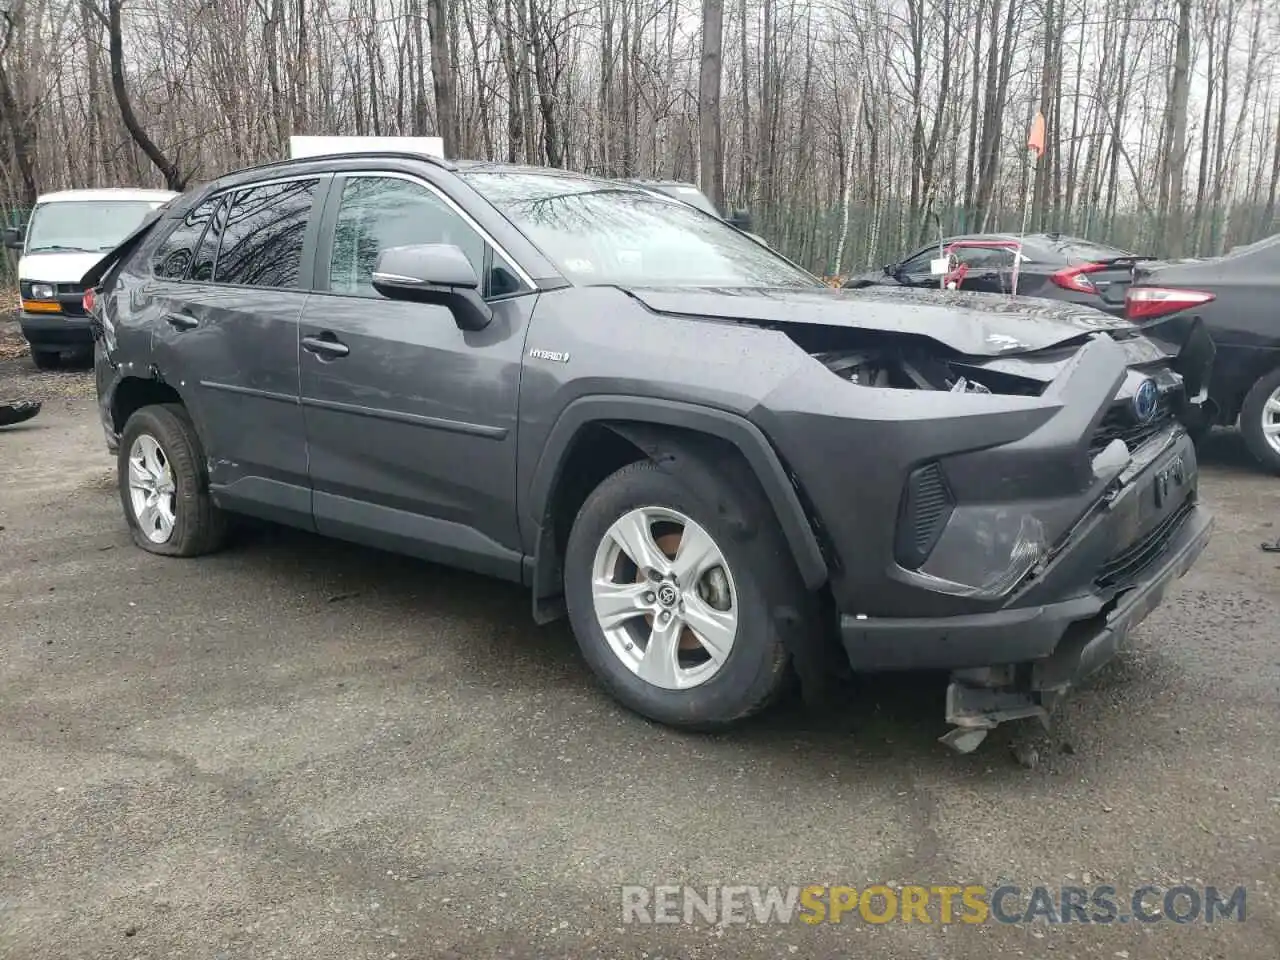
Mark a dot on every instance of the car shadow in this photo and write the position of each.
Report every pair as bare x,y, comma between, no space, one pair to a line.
1225,448
872,716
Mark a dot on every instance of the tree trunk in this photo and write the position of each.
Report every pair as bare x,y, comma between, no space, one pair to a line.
442,76
173,176
538,39
710,149
1176,127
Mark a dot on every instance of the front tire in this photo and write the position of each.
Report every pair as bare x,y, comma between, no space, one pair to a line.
164,487
670,591
1260,421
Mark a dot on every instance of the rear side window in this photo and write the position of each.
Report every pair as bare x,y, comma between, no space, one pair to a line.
1086,251
178,249
980,257
263,233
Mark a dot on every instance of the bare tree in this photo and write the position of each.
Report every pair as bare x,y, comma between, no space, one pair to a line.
847,126
711,148
442,73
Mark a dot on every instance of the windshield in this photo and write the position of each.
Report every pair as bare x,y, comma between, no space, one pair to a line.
84,225
1251,248
599,233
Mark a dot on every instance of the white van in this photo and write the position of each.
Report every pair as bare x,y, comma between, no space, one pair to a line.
68,233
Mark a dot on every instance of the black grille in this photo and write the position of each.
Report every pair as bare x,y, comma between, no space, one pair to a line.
1118,424
1127,565
71,296
926,507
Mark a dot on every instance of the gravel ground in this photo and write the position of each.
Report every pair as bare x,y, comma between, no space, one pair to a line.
298,748
20,380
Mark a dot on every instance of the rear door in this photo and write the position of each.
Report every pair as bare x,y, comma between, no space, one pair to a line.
227,332
411,421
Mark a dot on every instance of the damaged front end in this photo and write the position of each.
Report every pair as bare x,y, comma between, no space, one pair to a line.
1050,548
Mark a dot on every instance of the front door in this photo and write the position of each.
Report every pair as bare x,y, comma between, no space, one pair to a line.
228,340
411,421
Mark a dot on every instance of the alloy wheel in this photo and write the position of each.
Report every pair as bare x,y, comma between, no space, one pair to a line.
1271,420
665,598
152,491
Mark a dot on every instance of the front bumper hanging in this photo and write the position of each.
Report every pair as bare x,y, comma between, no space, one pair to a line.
979,699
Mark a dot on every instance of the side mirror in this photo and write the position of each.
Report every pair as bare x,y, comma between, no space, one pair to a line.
13,238
740,219
437,273
891,269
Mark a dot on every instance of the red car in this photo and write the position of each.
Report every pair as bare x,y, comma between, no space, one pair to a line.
1048,265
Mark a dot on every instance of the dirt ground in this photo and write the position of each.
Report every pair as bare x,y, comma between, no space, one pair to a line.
299,748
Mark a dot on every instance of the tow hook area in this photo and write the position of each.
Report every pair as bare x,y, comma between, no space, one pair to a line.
980,700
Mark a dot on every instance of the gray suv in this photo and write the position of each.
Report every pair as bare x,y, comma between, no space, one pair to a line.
724,472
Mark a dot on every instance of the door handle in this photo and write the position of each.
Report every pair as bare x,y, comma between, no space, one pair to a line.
326,346
181,321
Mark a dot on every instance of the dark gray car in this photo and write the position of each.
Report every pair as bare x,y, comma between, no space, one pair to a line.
1235,296
720,469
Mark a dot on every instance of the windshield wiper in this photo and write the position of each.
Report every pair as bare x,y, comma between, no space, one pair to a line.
57,248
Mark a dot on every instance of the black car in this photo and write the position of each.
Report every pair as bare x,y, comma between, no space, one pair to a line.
1238,297
721,469
1035,265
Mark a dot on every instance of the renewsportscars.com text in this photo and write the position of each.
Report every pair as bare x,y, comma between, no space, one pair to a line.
941,904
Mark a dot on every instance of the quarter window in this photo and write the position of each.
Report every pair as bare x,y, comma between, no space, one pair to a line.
207,254
380,212
177,250
263,233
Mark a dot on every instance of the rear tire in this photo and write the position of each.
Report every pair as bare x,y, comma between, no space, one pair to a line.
1260,412
164,486
750,574
46,359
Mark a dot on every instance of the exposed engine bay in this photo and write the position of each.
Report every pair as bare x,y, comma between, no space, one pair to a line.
916,363
897,369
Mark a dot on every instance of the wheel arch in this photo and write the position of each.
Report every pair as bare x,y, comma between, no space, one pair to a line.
1238,377
639,428
131,394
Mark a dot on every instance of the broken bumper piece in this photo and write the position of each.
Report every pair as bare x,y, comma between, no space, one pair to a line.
1017,663
978,700
13,412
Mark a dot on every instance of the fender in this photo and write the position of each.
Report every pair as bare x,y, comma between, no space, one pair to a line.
745,436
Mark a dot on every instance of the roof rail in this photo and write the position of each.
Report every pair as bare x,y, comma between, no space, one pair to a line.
346,155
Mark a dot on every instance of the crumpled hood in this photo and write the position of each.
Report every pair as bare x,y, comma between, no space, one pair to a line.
57,267
973,324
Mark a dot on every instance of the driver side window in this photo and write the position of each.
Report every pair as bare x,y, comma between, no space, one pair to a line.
377,212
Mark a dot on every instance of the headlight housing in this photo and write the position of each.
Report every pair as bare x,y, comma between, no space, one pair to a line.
975,550
43,291
983,552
